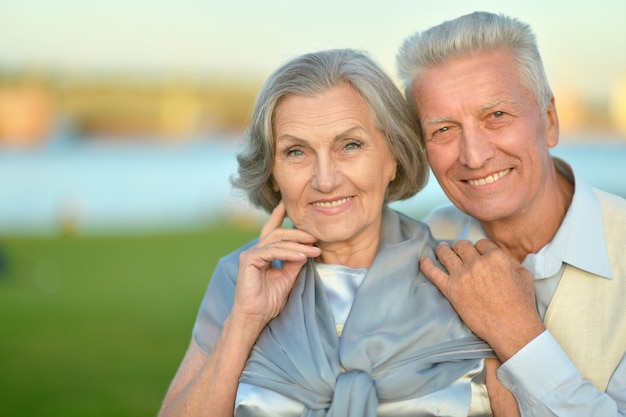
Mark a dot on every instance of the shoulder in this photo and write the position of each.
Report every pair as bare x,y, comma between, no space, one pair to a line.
611,201
613,216
447,222
398,228
407,222
228,265
217,301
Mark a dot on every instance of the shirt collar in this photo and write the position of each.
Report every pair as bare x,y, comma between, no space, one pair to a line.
580,239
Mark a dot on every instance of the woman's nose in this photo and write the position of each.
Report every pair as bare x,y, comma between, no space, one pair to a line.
325,175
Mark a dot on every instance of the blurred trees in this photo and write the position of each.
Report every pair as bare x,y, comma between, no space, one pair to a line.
33,106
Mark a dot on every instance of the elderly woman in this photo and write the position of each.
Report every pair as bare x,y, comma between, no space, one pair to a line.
330,316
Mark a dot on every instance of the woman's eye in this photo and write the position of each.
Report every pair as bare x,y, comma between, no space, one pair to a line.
350,146
294,152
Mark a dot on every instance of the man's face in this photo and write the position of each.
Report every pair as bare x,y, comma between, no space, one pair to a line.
486,138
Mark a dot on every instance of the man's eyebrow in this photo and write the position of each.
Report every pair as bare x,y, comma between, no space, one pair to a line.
487,106
436,120
493,104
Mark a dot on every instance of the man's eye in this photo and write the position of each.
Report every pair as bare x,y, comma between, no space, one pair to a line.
498,114
443,129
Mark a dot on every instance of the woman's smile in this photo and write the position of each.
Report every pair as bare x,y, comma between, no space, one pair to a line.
332,161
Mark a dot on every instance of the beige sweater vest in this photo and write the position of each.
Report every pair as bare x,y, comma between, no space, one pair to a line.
587,314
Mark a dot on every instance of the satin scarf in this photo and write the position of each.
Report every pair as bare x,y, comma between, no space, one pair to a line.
402,339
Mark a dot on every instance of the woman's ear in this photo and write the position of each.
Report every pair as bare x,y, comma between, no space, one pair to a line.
392,172
274,185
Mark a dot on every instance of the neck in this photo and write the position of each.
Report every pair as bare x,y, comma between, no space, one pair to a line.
347,257
528,232
359,254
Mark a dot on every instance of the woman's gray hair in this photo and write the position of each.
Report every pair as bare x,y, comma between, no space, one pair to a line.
475,32
311,75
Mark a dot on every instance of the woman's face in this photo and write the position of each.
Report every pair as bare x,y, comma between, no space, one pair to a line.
332,166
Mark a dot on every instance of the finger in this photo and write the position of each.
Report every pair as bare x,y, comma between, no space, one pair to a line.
306,249
272,254
484,245
281,250
447,256
275,220
464,250
262,258
435,274
294,235
287,235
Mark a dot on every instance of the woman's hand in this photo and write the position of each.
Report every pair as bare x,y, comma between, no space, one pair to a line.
207,385
503,402
262,289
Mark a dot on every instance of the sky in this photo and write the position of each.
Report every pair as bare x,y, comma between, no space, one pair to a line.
582,43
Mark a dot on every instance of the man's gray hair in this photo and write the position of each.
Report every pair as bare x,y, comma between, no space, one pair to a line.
471,33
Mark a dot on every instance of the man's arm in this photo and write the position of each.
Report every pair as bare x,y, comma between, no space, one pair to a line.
546,383
495,297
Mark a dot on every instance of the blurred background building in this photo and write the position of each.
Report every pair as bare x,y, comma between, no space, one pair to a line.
127,114
35,107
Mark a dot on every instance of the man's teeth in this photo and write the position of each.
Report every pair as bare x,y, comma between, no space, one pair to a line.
331,203
489,179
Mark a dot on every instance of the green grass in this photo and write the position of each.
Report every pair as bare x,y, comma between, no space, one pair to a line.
97,326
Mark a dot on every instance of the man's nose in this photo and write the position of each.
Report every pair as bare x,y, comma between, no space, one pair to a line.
476,148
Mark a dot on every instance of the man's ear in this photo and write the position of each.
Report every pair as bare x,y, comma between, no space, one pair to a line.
552,124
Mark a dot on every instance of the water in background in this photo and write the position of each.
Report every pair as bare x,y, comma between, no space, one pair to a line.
101,187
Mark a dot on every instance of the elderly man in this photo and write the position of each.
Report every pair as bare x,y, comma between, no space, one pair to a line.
549,295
